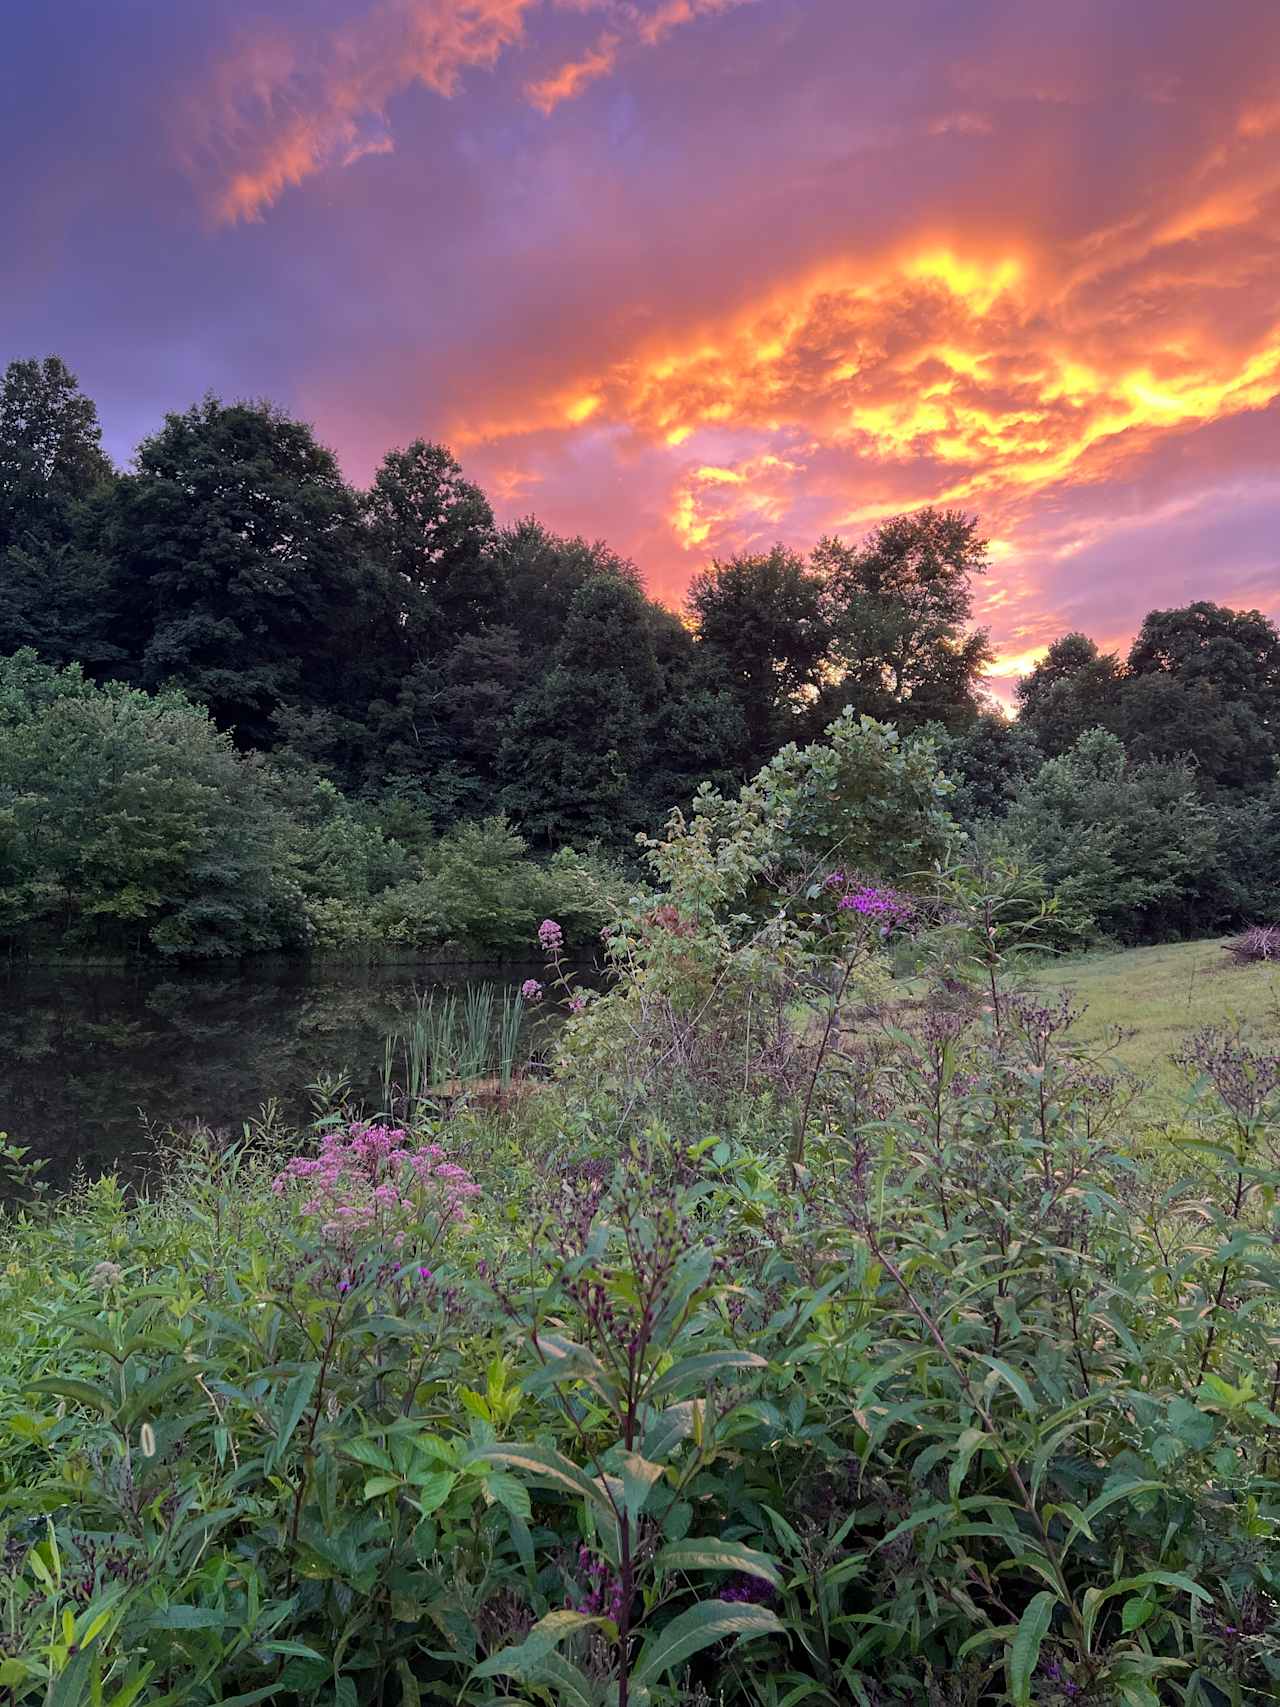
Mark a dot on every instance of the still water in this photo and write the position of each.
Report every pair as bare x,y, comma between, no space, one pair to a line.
86,1056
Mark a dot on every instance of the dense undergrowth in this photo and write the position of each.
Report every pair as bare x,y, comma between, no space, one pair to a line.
754,1359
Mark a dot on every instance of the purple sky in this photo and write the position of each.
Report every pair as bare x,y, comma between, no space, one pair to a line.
696,274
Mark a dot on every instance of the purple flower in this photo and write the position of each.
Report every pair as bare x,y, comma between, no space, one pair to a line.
747,1590
872,902
426,1274
531,990
550,936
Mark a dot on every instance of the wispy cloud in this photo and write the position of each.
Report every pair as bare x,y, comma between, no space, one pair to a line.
285,105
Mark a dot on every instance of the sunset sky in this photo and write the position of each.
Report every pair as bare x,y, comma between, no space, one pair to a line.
696,274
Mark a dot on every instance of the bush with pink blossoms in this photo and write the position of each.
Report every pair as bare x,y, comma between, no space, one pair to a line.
370,1178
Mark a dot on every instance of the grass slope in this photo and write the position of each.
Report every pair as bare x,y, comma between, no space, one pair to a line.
1158,996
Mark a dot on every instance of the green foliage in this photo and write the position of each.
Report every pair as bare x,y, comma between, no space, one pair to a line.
1119,841
989,760
479,886
435,668
433,532
127,821
898,606
239,547
1074,688
761,622
861,798
967,1409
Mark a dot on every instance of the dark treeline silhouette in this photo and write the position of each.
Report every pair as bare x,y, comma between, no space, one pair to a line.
399,647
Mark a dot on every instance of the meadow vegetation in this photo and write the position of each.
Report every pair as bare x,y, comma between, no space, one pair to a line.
788,1344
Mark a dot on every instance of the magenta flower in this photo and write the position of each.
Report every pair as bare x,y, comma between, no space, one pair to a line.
531,990
873,901
550,936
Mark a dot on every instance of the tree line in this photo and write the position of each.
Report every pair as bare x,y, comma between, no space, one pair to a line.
430,669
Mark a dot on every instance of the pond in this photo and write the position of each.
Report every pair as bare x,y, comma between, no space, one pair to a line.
89,1057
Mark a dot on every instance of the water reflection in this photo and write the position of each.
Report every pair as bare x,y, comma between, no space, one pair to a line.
86,1054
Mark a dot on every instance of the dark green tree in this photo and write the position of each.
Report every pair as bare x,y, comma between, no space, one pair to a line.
574,757
899,607
432,531
989,760
1205,680
50,445
57,587
540,575
1073,688
760,624
248,586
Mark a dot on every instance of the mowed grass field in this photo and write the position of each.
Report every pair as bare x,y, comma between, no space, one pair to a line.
1158,996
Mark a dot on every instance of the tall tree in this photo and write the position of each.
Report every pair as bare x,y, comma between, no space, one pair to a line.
989,760
50,445
1205,680
899,606
760,623
248,584
1073,688
57,588
432,531
579,740
540,574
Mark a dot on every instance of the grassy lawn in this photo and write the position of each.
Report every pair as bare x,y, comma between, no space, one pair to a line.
1160,995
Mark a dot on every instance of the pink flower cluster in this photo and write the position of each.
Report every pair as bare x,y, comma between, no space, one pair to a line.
531,990
370,1177
550,936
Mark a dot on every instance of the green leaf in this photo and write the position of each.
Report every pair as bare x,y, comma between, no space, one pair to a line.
1009,1375
509,1492
695,1370
1109,1497
367,1453
568,1361
69,1690
295,1400
524,1660
704,1553
668,1429
1024,1650
1136,1612
639,1478
81,1392
410,1694
971,1441
432,1490
545,1464
572,1689
380,1485
1194,1427
709,1621
186,1618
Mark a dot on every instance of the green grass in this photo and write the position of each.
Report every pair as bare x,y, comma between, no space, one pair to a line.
1158,996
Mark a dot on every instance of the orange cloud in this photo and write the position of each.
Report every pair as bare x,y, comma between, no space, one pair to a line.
574,75
979,372
283,107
